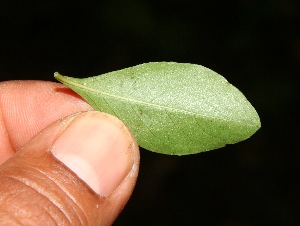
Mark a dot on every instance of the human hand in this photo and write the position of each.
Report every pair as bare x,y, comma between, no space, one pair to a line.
79,170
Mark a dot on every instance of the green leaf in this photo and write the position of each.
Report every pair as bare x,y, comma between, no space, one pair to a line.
171,108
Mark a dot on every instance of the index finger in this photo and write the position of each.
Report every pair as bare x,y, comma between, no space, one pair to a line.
26,107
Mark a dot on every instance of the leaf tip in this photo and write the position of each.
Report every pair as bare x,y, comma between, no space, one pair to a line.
57,75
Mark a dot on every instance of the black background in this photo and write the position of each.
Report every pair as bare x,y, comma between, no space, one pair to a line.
254,44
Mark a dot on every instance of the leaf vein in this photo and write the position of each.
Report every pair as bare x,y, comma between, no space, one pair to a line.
89,89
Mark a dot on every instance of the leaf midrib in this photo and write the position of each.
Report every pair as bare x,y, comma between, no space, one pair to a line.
127,99
65,79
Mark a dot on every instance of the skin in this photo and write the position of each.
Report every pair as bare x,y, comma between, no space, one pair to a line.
39,183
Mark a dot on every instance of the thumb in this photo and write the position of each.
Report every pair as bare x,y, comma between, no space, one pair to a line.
81,170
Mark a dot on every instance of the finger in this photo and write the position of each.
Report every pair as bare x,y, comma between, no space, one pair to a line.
80,170
26,107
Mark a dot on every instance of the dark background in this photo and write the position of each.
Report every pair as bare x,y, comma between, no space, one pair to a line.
254,44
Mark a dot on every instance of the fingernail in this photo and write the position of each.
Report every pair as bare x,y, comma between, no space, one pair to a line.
98,148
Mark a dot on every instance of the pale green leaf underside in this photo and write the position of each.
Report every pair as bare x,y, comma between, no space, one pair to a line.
171,108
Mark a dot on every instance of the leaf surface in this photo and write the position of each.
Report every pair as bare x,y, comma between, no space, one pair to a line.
171,108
